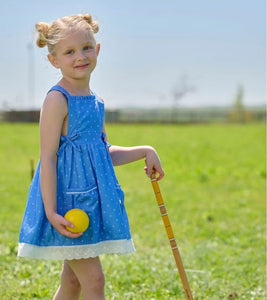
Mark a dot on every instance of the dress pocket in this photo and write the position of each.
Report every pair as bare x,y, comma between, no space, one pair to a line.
86,199
82,191
83,198
120,194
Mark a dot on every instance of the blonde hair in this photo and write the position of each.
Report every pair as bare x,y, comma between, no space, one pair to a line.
50,34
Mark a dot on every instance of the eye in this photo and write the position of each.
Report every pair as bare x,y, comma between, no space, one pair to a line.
70,51
88,47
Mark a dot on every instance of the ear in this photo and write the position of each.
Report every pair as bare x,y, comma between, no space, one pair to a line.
97,48
53,60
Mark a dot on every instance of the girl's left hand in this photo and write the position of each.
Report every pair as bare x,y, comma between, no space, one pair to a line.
153,164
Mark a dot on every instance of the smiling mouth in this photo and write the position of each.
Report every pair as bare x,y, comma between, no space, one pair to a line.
82,66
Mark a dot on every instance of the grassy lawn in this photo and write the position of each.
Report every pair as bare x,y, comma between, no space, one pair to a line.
214,191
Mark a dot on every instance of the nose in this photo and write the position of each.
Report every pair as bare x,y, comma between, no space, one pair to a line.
81,55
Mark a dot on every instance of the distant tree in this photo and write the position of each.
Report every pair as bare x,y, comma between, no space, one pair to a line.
180,90
238,101
239,112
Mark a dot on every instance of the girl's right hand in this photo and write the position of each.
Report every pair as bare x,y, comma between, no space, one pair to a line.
60,223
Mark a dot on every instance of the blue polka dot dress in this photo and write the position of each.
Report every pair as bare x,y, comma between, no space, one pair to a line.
85,180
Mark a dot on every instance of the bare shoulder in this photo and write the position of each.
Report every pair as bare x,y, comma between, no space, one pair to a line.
55,103
52,118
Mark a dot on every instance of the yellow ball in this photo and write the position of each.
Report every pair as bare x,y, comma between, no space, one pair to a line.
78,218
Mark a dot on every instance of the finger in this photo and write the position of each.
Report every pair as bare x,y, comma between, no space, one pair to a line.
67,223
160,174
153,174
149,171
160,177
70,234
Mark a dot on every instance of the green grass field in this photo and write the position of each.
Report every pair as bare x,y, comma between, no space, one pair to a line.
214,190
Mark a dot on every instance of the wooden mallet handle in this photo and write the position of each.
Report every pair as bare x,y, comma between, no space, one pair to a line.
171,237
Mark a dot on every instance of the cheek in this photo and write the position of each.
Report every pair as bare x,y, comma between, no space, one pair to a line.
67,62
92,56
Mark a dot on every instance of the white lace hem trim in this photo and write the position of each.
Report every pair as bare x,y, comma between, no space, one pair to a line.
76,252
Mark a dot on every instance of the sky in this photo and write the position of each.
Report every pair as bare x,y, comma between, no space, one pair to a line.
150,51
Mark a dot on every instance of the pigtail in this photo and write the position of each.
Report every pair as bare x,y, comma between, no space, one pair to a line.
43,29
94,25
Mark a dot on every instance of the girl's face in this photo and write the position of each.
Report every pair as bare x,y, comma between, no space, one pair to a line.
76,55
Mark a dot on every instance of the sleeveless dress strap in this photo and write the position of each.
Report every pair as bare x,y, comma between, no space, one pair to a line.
60,89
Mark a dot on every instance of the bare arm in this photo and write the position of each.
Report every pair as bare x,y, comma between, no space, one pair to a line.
52,117
125,155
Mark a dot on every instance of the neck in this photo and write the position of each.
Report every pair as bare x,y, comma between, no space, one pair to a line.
76,87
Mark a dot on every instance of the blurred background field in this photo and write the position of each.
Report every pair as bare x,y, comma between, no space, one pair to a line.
214,191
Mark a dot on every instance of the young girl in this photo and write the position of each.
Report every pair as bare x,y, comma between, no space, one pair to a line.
76,167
